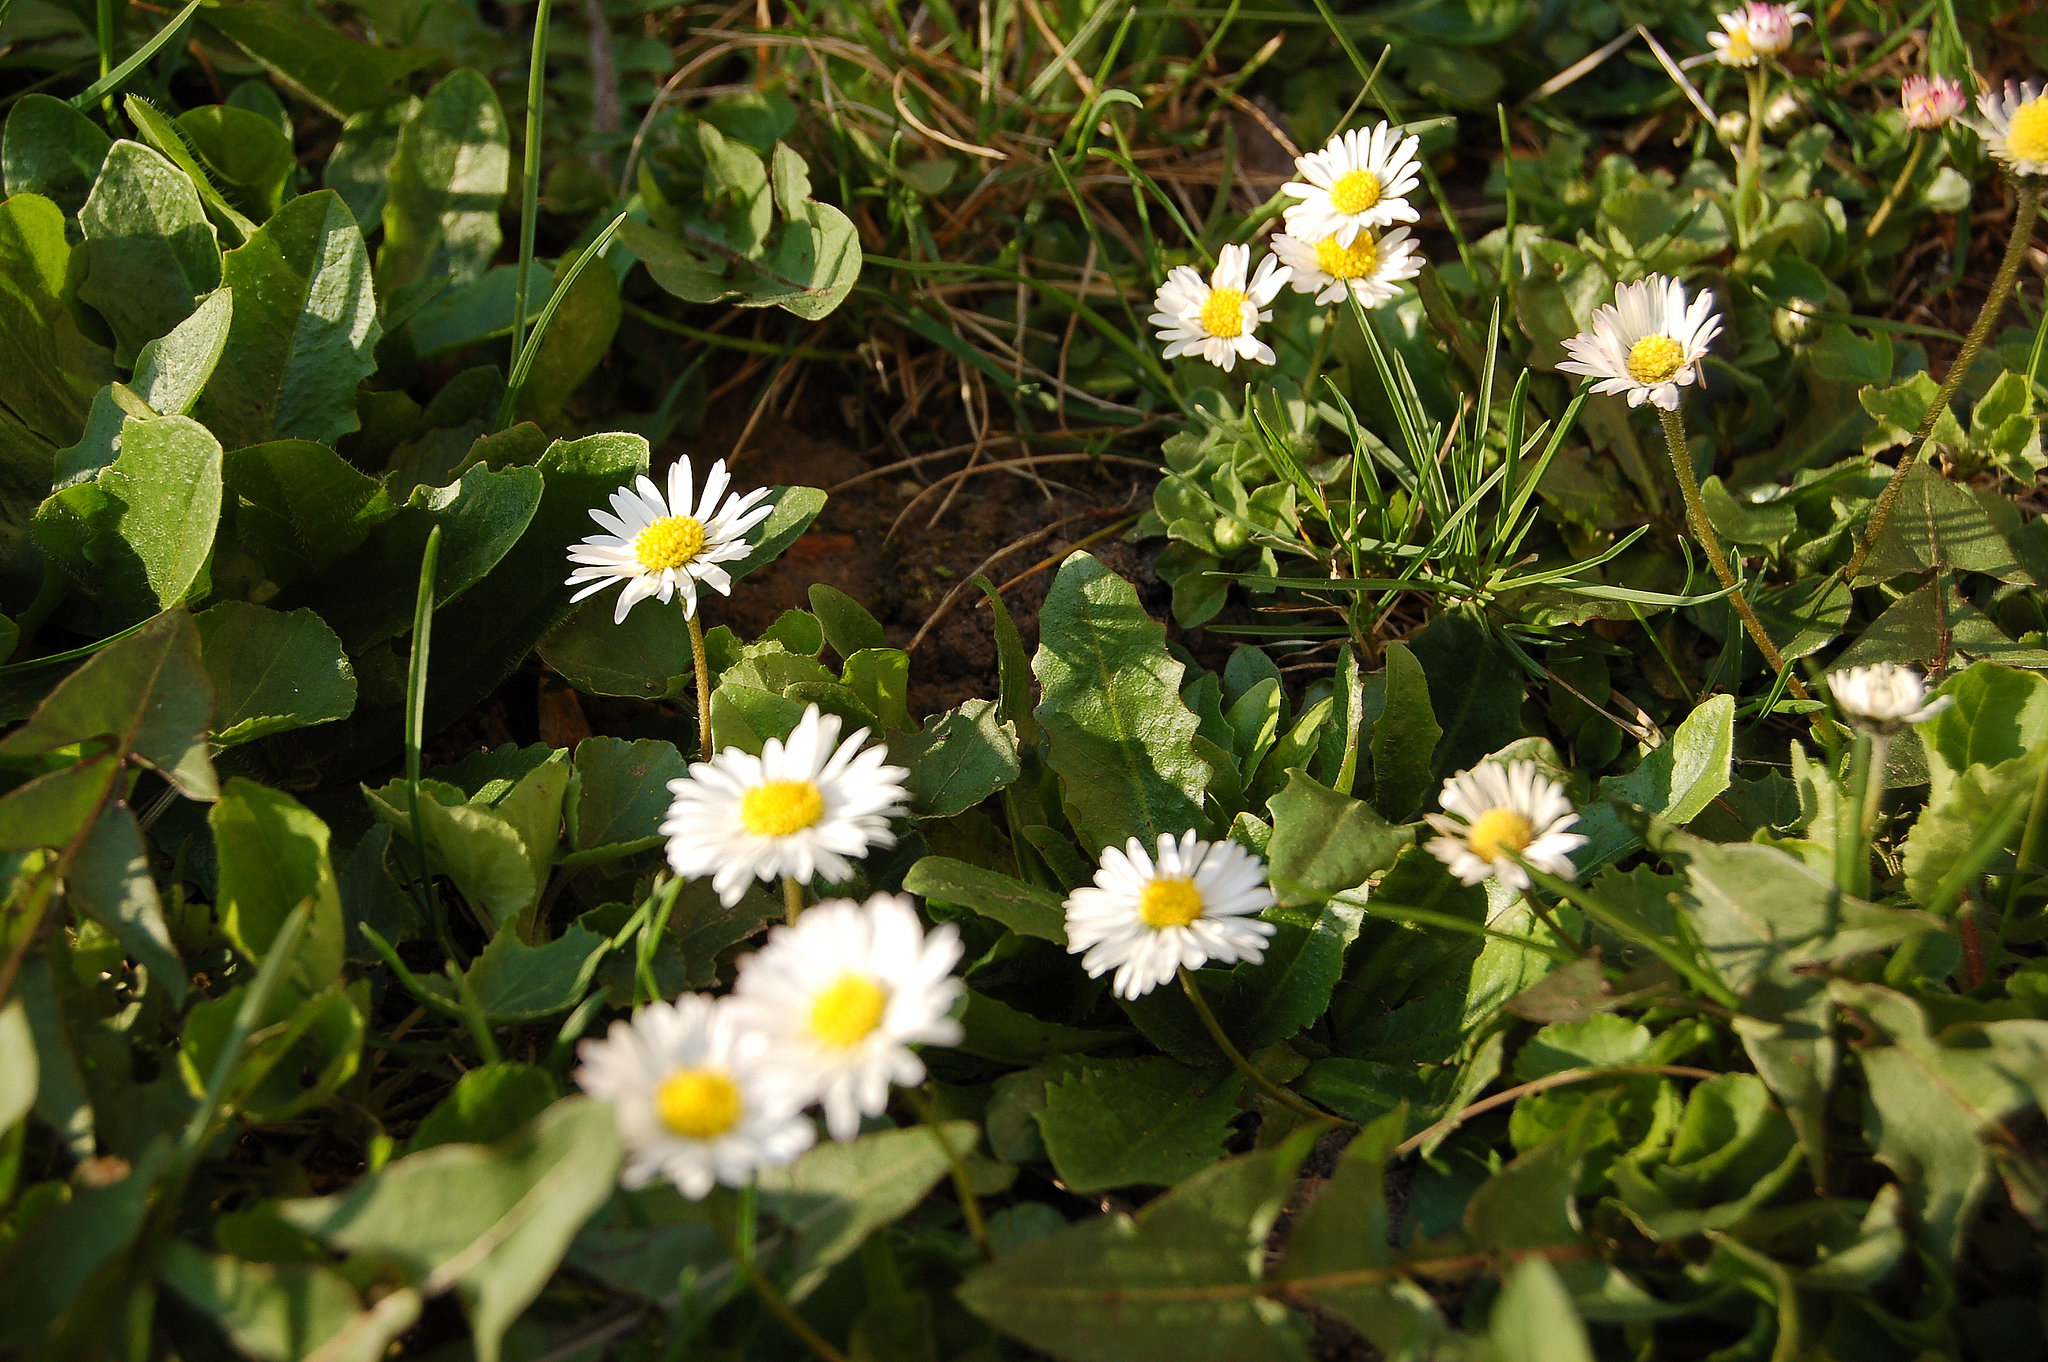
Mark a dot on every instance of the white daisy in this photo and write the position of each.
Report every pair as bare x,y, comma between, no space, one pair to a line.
1753,32
658,546
1218,320
1931,102
841,997
2015,126
1885,697
801,808
1495,809
1370,267
1358,183
691,1098
1145,916
1647,343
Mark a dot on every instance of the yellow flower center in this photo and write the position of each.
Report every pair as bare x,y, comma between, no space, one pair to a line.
1170,902
669,542
2026,138
846,1013
1223,314
698,1104
1740,51
1355,191
1654,359
1497,831
1355,261
777,808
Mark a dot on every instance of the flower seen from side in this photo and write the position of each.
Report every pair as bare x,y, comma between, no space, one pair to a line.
1885,697
692,1101
1753,32
1187,904
1358,183
808,805
1370,268
1218,319
842,995
1931,102
1647,343
1497,811
664,546
2015,126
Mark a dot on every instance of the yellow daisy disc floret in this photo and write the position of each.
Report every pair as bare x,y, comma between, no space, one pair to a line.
1223,314
2027,137
669,542
778,808
1355,261
1653,359
698,1104
1355,191
1169,902
1498,831
848,1011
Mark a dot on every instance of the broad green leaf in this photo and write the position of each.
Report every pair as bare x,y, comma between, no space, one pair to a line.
51,149
1290,987
646,656
1936,622
1534,1320
848,625
150,252
961,758
1531,1203
488,1221
997,1031
49,371
1936,520
1404,738
279,1312
304,1047
360,163
18,1067
272,672
1121,738
1126,1122
62,1248
620,794
1023,908
445,182
301,507
273,857
1475,690
139,534
162,135
486,1105
1675,782
304,331
576,340
248,157
515,982
1964,831
110,880
172,370
339,74
481,852
468,315
795,509
1995,713
1325,843
817,261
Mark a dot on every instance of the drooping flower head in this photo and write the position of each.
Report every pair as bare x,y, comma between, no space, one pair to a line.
1884,698
1497,811
1647,343
2015,126
692,1101
1146,916
1218,319
1755,31
1371,268
806,806
1358,183
1931,102
841,997
661,546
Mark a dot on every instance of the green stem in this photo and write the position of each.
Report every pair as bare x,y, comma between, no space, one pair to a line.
1244,1066
702,663
529,188
782,1309
963,1181
1703,534
792,899
105,26
1752,152
1852,829
1994,303
1884,210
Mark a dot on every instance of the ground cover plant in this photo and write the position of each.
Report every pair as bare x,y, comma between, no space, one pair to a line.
1023,680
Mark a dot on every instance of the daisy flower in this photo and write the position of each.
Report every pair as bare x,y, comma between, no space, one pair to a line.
1146,916
801,808
1371,268
841,996
2015,126
691,1098
1753,32
1647,343
1496,809
658,546
1884,698
1931,102
1357,183
1217,320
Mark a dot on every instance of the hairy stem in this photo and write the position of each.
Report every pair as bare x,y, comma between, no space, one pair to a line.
792,899
702,664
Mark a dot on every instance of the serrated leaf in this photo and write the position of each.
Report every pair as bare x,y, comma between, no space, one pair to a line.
1120,1123
961,758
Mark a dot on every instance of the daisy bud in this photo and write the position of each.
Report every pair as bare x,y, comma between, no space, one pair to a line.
1884,698
1931,102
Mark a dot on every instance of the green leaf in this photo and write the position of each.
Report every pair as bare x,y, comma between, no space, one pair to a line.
1964,830
1676,782
301,508
1023,908
339,74
273,857
51,149
1290,987
150,252
961,758
272,672
62,1249
359,167
515,982
279,1312
163,136
302,1049
489,861
18,1067
835,1195
848,626
621,792
1530,1204
304,331
110,880
486,1105
489,1221
248,157
49,371
1936,521
1121,738
1534,1320
1996,713
172,370
1404,738
795,509
1126,1122
140,532
445,183
646,656
1324,843
817,261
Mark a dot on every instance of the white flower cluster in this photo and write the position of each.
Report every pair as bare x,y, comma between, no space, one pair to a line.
1337,242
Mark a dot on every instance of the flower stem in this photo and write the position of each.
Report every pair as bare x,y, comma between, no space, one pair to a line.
1858,816
792,899
1884,210
783,1310
1752,151
1994,303
1244,1066
1703,533
963,1181
702,664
